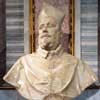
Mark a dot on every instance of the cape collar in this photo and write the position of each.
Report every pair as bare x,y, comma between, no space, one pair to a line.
45,54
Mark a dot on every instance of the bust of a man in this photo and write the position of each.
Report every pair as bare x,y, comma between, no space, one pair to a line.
50,73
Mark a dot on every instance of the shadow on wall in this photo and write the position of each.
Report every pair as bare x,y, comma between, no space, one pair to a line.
91,94
86,95
10,95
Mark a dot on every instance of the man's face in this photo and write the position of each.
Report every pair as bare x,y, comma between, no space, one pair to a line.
49,33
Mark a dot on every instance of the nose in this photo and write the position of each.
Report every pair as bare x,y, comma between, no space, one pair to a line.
45,29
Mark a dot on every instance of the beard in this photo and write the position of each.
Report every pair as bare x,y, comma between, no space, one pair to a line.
46,46
45,43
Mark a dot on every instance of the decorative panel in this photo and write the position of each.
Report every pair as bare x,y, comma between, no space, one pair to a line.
14,31
67,26
89,33
12,34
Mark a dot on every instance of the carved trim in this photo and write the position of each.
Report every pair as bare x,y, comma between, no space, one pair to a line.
72,26
32,26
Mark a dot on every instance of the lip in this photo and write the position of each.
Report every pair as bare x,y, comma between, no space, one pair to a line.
46,35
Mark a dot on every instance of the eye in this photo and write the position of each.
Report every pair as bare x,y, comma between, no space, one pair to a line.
51,25
41,26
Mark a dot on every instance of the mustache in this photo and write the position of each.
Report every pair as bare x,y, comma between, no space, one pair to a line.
45,35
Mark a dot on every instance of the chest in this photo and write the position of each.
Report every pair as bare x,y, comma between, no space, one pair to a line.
48,76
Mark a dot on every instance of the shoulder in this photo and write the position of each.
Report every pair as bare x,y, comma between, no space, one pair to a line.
69,58
27,56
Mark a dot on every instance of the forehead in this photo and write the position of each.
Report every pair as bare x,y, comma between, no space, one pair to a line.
46,19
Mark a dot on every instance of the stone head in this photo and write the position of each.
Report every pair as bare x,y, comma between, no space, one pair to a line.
49,26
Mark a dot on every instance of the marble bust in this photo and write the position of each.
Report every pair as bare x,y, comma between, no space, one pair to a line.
50,73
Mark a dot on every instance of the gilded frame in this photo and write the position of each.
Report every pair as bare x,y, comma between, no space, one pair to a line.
32,25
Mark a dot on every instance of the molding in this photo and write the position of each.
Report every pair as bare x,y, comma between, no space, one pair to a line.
77,28
26,26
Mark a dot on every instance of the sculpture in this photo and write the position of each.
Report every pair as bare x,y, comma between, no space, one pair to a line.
50,73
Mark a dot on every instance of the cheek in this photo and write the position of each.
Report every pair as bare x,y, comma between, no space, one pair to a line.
40,32
52,31
57,36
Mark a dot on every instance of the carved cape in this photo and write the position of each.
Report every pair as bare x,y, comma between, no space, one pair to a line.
61,77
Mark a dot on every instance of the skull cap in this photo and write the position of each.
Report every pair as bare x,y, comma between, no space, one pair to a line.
51,11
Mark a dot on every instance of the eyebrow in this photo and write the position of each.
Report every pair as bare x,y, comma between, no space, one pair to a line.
52,18
49,17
